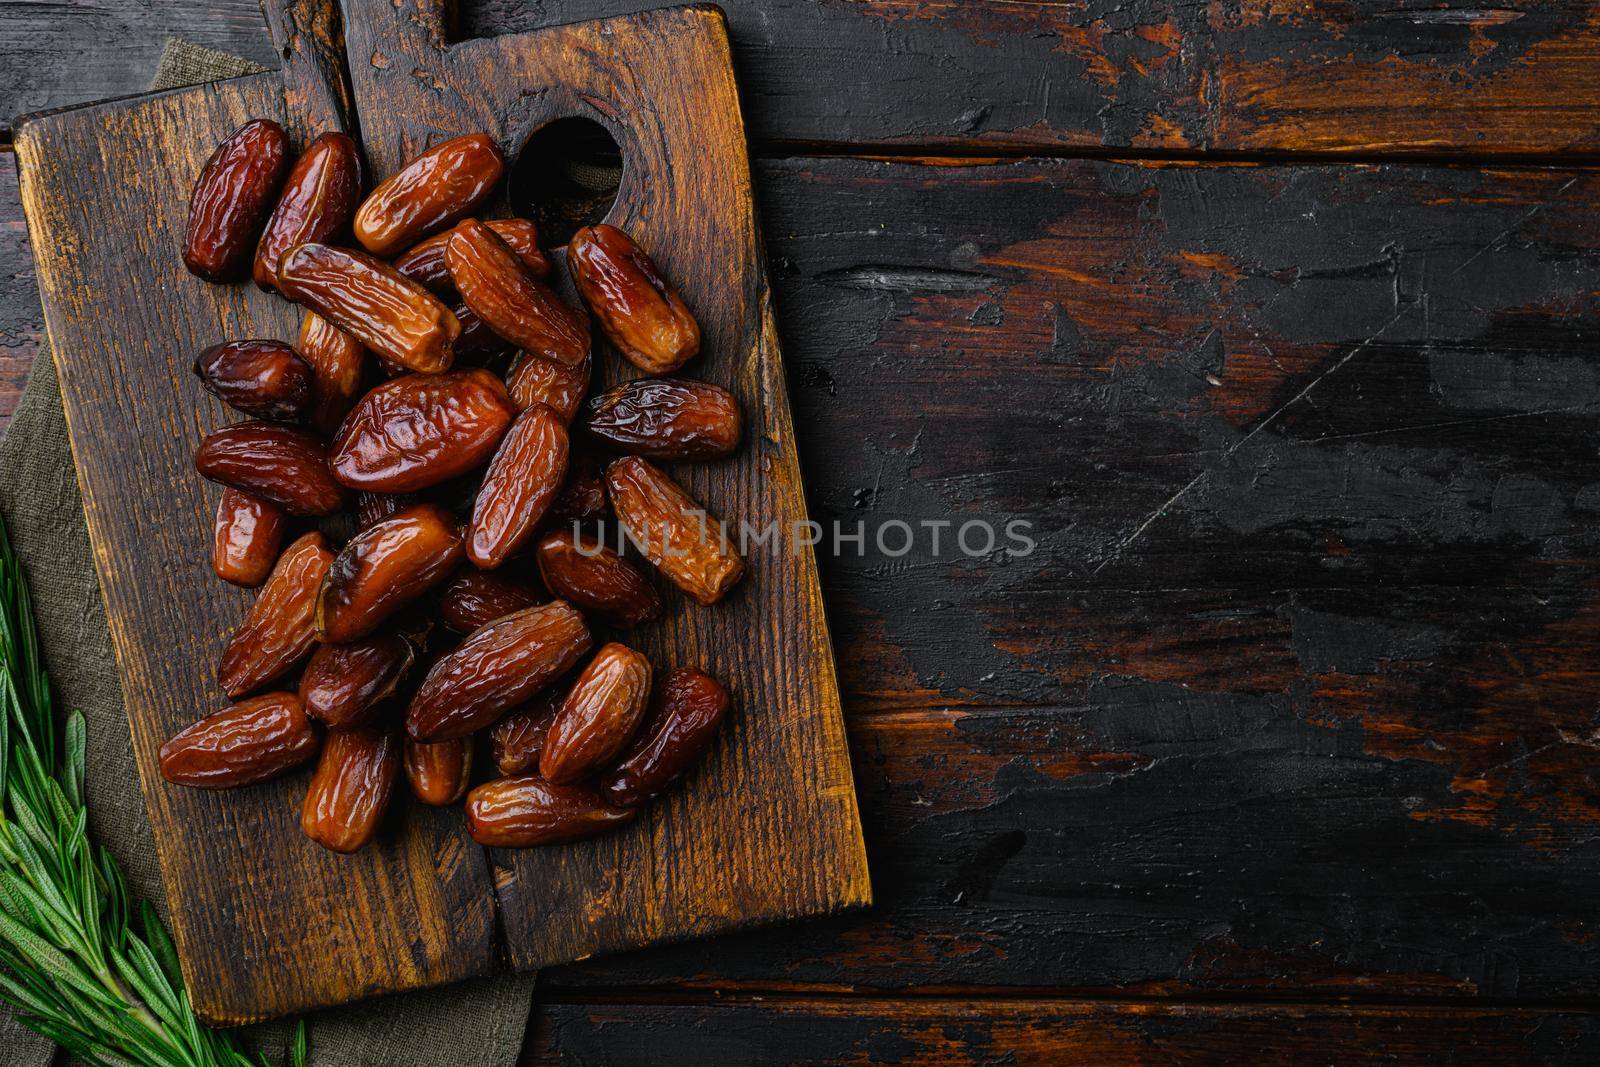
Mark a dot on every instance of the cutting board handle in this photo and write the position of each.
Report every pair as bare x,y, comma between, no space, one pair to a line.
309,37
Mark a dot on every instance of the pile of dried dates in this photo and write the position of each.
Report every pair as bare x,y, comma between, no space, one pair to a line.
458,614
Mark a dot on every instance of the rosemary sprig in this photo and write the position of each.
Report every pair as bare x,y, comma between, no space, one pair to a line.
81,962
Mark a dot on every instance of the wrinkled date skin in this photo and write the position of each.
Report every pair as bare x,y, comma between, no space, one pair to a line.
522,480
517,740
667,418
440,772
279,631
476,337
283,464
424,263
350,788
681,538
253,741
231,200
524,812
316,206
638,309
596,579
686,709
473,599
497,668
443,184
336,360
246,538
598,717
535,379
374,303
344,686
384,568
419,430
264,379
496,285
583,494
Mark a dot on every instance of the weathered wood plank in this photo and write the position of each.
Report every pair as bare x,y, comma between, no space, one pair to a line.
959,1032
21,320
1452,78
267,922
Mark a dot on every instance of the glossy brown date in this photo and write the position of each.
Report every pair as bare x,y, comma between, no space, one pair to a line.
264,379
582,496
231,200
283,464
536,379
517,740
638,309
686,709
336,360
419,430
473,599
439,772
683,540
317,203
250,742
246,538
373,508
424,263
496,285
372,302
497,668
476,338
667,418
524,812
351,788
345,686
598,716
443,184
384,568
521,481
596,579
279,631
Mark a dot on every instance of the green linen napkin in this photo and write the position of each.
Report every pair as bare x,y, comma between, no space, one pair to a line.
475,1024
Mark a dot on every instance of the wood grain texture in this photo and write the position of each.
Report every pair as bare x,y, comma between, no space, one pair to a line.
768,830
267,922
960,1032
21,320
309,39
1456,77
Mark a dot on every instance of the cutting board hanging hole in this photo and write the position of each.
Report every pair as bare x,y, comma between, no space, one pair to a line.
566,177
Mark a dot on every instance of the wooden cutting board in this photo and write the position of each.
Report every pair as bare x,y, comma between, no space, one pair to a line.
266,922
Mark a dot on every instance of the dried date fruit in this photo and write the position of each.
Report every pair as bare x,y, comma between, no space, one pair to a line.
473,599
443,184
265,379
517,740
318,201
345,686
496,285
667,418
476,337
686,709
583,495
439,772
351,788
279,631
598,717
419,430
372,302
246,538
373,508
231,200
536,379
638,309
524,812
336,360
385,567
283,464
681,538
521,481
497,668
424,263
250,742
596,579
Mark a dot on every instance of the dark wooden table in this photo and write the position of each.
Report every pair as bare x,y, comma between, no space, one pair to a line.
1279,323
